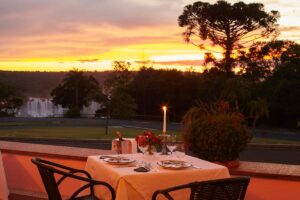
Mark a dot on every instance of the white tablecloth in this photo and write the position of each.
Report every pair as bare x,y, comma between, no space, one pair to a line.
131,185
129,145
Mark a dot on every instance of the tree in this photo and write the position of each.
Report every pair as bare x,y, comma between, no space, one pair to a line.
236,91
9,100
123,105
119,80
153,88
75,92
262,59
230,26
272,68
117,89
257,109
282,91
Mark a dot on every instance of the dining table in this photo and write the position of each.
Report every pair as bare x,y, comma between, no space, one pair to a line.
132,185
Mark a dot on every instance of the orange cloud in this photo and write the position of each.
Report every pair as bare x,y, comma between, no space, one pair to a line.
58,35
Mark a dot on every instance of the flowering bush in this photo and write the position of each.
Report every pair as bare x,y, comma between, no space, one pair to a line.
147,138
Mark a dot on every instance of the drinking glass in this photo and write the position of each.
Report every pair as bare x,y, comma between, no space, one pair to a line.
171,143
143,145
179,151
117,147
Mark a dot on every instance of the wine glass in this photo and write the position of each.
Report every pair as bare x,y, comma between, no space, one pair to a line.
117,147
143,144
171,143
179,151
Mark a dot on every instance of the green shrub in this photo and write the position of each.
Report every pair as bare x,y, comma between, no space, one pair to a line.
214,133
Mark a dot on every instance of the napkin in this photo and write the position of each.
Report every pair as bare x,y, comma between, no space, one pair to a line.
141,169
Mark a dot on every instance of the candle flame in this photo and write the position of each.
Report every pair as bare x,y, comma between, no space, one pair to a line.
164,108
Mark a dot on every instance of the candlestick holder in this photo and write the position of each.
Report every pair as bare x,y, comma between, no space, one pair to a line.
163,138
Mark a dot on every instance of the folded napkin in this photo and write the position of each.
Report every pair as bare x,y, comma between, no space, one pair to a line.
141,169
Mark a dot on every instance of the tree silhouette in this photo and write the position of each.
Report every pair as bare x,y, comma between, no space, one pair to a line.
117,89
257,109
76,91
264,58
9,100
282,90
230,26
236,91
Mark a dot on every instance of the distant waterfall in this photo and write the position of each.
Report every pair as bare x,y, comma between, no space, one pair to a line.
42,107
90,110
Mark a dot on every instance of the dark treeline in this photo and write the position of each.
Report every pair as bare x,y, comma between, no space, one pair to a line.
39,84
279,94
154,88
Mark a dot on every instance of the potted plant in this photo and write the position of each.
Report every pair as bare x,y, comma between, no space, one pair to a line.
215,133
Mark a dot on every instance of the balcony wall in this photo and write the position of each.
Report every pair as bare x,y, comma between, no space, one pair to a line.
22,176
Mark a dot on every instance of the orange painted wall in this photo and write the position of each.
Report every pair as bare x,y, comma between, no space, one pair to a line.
23,175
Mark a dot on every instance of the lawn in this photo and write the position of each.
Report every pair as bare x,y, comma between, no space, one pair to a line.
96,133
71,132
85,129
273,141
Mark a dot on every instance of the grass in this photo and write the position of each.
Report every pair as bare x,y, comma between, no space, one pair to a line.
94,133
86,130
52,122
13,124
71,132
273,141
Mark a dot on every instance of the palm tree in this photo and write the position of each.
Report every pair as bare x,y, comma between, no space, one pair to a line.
257,109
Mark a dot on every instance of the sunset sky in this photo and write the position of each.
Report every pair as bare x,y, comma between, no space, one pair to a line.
57,35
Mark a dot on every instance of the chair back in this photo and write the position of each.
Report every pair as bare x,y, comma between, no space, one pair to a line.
225,189
47,175
48,170
221,189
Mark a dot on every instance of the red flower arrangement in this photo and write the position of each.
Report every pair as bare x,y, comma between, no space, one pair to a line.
148,138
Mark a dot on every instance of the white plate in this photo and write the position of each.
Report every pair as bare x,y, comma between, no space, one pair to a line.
174,164
119,160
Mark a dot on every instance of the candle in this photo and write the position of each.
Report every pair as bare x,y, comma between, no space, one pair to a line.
165,120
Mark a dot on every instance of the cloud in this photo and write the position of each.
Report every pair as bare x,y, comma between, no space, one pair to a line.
89,60
181,62
84,29
38,17
55,28
290,28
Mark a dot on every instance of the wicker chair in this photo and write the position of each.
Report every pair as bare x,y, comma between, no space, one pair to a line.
221,189
48,170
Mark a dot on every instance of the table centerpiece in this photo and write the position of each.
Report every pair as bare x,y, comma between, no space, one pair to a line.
148,139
